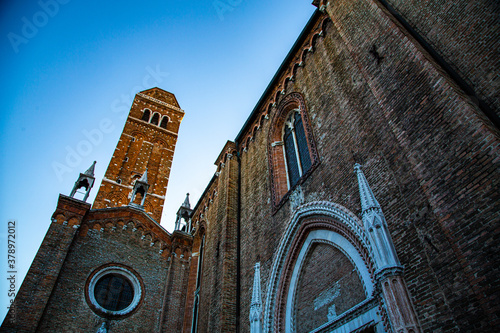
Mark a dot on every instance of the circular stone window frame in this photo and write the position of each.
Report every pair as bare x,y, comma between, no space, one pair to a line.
126,272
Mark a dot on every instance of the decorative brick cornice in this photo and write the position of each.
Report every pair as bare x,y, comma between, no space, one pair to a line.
120,219
287,73
152,99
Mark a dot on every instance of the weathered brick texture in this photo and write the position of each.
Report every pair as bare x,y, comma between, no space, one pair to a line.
328,263
32,298
371,94
143,145
465,34
429,153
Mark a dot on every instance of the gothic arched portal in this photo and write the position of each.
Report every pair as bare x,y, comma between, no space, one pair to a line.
323,275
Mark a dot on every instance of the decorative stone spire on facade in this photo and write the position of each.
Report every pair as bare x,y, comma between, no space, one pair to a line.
141,186
389,274
184,213
144,178
90,171
256,304
85,180
376,225
186,203
368,200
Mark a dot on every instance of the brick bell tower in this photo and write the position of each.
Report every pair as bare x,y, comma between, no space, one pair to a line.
147,143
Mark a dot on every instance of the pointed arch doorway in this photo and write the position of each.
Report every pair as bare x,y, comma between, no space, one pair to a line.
322,278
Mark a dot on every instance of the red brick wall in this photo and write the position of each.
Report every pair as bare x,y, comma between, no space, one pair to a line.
142,145
104,239
465,33
175,298
322,268
192,279
33,296
217,210
430,155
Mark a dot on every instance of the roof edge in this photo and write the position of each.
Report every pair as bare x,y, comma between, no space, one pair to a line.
283,65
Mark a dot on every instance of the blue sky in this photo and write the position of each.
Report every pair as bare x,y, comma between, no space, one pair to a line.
68,66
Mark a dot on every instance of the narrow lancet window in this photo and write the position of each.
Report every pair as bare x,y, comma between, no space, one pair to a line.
292,150
305,158
155,119
164,122
298,159
291,156
146,115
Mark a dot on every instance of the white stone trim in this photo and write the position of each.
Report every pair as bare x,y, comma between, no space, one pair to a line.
368,318
339,242
321,208
160,102
256,303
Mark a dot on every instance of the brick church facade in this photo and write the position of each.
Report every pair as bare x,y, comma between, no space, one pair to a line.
361,195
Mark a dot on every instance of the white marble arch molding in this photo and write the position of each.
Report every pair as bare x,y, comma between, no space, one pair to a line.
327,214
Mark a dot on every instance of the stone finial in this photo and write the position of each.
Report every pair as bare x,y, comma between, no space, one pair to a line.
389,271
90,171
141,186
144,177
85,180
375,225
256,304
368,200
183,221
186,202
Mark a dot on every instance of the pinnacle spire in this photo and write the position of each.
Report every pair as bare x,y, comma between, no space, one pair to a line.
368,200
186,202
256,287
256,304
144,177
376,225
184,213
86,181
90,171
141,186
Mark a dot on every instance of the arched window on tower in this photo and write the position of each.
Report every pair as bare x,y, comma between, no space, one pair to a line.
155,119
164,122
298,159
146,115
